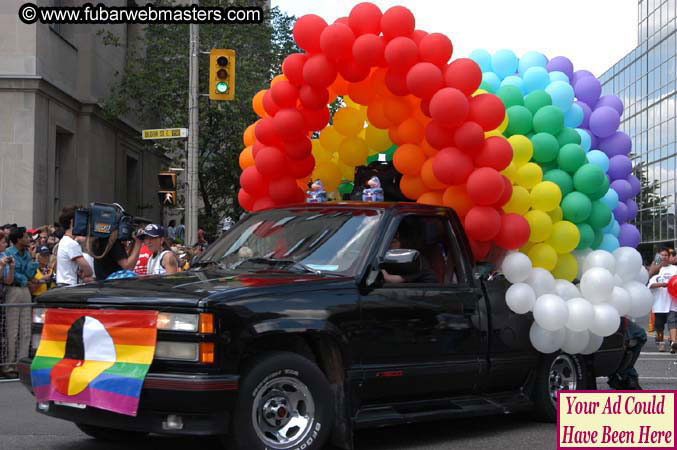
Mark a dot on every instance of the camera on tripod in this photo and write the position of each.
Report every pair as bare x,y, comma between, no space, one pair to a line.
102,220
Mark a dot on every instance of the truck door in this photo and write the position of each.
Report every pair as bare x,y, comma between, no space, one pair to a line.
421,334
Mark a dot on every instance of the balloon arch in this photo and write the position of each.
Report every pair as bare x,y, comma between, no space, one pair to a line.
525,150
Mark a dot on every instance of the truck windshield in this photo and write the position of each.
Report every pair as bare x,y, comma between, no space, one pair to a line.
315,240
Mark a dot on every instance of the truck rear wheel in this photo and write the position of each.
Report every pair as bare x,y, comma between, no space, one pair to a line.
110,434
557,372
284,402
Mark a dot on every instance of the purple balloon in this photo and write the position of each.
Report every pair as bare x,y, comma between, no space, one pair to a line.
623,189
618,143
634,182
594,140
580,74
620,166
604,121
588,90
629,236
611,100
561,64
586,114
632,209
621,213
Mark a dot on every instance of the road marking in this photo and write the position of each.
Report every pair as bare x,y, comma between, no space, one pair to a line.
649,378
659,354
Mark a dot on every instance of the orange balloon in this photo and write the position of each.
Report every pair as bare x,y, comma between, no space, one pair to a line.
418,113
378,83
340,85
431,198
428,177
428,149
257,103
412,187
277,78
376,114
361,92
332,95
249,137
395,137
409,159
396,109
411,131
246,158
303,183
456,198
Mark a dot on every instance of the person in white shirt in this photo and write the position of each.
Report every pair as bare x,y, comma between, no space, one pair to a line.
162,260
69,257
664,308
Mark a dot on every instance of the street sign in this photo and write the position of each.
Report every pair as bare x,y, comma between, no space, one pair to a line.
167,133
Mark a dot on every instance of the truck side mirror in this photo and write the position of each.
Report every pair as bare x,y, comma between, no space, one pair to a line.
482,270
402,261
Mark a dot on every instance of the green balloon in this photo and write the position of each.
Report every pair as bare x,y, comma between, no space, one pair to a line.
600,216
599,235
536,100
511,96
561,179
546,147
601,192
372,158
587,236
571,157
546,167
346,188
519,120
390,153
486,87
549,119
568,136
576,207
588,178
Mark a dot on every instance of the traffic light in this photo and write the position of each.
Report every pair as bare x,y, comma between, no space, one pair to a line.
221,74
167,193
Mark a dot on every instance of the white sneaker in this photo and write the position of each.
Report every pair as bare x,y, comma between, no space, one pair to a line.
661,346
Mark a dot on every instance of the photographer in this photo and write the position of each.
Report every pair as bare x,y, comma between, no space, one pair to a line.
114,258
69,256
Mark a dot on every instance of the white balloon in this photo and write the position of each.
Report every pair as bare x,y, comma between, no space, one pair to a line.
594,344
642,299
546,341
628,262
580,257
618,281
551,312
516,267
575,341
597,283
520,298
581,314
606,320
600,258
621,300
541,280
566,289
643,276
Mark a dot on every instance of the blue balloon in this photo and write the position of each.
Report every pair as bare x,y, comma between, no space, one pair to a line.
536,78
574,117
558,76
598,158
504,63
609,243
610,199
514,80
586,140
531,59
609,226
562,94
482,58
492,81
616,228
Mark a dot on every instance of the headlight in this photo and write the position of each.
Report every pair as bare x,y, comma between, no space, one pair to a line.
177,322
184,351
39,315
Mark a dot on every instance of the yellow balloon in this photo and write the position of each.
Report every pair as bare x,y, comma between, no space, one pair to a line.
491,133
540,224
556,214
353,151
330,139
347,172
546,196
348,121
565,237
519,202
543,255
522,149
319,153
501,128
526,247
528,176
566,267
377,139
350,102
479,92
330,175
510,172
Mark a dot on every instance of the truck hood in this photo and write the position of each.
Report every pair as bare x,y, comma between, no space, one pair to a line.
184,289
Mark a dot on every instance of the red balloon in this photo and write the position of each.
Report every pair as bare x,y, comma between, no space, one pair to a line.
396,81
292,67
283,190
245,200
424,79
257,147
482,223
313,98
514,232
469,137
672,286
449,106
298,148
263,203
269,104
487,110
463,74
265,132
284,94
318,71
336,41
418,36
253,182
425,107
479,249
507,192
353,72
485,186
270,162
452,166
368,50
397,21
365,18
439,136
289,124
315,119
401,53
435,48
495,153
301,168
307,31
343,21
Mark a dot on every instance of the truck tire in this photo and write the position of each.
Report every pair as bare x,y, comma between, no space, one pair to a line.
284,402
110,434
556,372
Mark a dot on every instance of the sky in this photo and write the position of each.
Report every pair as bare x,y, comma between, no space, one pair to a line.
594,34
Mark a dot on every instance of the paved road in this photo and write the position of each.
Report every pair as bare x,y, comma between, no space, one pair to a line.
21,428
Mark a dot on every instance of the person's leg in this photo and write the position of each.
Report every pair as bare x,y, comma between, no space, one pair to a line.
14,296
672,326
24,336
660,321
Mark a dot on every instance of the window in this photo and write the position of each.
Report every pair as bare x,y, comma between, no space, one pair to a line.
56,26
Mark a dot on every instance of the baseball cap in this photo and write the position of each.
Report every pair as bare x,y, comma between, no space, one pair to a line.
153,230
43,249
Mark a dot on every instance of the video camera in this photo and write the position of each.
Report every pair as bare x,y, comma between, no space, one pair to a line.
101,220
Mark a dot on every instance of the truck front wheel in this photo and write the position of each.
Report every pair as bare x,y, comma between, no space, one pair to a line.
557,372
284,403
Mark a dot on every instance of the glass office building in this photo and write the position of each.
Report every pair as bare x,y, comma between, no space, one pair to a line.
645,80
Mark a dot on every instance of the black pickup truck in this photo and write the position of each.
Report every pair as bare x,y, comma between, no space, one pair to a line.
326,318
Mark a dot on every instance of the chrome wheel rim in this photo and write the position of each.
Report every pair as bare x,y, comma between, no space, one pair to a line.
284,412
561,377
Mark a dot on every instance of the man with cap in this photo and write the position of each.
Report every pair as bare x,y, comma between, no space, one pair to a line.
162,260
44,277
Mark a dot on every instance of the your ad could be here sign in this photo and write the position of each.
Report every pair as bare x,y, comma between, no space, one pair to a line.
616,419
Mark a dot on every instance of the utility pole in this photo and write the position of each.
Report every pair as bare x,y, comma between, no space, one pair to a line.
193,135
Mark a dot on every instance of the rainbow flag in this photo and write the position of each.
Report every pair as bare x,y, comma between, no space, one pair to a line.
94,357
